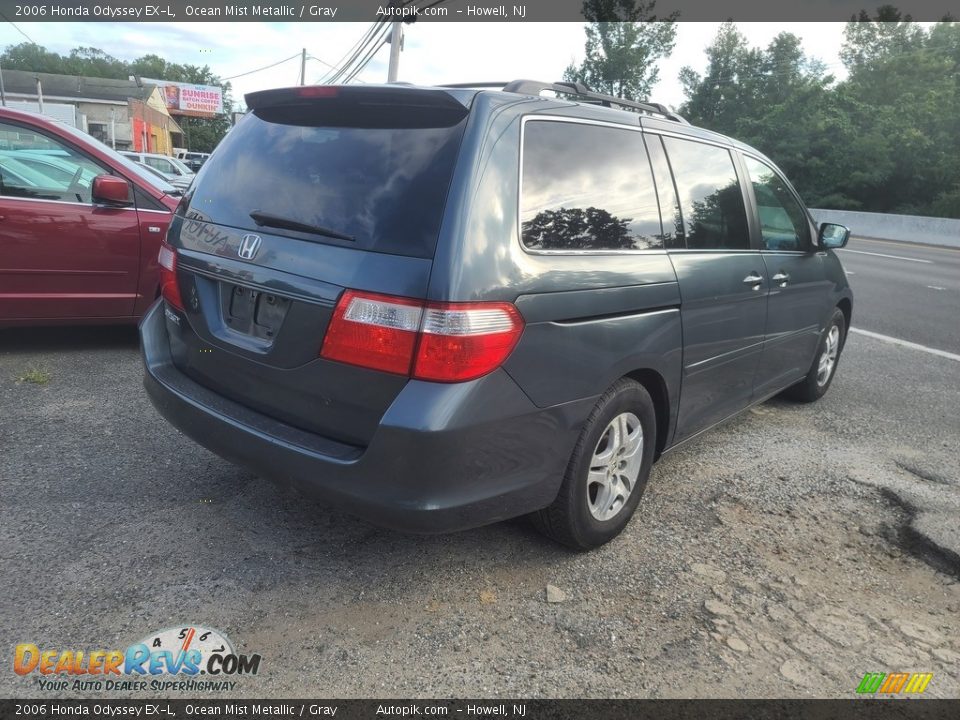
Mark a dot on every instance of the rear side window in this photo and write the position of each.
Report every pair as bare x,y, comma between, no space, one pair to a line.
666,193
587,187
710,197
385,187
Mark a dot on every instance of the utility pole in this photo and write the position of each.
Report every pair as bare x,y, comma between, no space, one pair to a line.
396,39
3,94
303,67
39,94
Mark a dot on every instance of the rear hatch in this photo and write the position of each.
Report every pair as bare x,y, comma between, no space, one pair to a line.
316,190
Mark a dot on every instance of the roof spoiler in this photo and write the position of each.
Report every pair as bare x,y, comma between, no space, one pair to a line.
361,106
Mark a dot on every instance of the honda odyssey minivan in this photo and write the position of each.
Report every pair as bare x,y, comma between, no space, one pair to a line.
441,307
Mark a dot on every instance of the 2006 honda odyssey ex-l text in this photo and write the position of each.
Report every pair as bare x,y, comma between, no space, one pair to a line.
440,307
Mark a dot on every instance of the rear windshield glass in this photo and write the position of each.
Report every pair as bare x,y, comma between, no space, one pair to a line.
384,187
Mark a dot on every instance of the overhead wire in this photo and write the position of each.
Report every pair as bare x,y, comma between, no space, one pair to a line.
371,53
265,67
17,28
352,54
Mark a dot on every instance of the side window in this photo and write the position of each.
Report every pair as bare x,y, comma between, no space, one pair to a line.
35,166
710,195
666,193
783,223
160,164
587,187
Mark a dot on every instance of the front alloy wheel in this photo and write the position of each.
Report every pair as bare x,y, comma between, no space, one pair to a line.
828,358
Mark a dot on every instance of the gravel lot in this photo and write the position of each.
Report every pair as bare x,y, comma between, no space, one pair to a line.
775,556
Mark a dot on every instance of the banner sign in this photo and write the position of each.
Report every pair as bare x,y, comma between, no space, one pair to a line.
188,99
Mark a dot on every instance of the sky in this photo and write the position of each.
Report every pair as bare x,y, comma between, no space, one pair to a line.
434,52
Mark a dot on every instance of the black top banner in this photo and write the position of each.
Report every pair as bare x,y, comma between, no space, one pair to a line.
449,10
243,709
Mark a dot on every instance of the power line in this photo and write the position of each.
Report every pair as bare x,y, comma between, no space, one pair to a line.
371,53
322,62
353,53
265,67
17,28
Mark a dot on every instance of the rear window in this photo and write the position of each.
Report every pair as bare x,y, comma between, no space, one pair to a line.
385,187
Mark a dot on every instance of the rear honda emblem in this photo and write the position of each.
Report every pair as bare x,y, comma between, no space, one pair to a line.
249,246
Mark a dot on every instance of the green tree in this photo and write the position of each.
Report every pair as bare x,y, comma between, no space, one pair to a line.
625,40
776,99
902,97
882,140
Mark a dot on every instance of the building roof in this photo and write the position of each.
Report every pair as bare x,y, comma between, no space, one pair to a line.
24,82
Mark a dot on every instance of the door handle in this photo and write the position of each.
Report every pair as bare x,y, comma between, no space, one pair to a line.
782,278
753,279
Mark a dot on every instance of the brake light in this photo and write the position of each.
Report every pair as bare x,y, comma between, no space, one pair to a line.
374,331
169,287
440,342
462,341
317,91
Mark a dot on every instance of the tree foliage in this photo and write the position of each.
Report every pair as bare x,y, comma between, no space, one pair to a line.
625,40
202,134
881,140
578,229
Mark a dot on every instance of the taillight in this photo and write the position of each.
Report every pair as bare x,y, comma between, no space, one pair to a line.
374,331
441,342
169,287
462,341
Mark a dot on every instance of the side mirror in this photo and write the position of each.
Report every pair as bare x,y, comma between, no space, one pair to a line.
111,190
832,236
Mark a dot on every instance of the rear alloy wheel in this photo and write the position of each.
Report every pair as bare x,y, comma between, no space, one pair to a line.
608,471
614,467
815,385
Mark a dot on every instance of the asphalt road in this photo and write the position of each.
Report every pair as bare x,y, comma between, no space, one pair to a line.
907,291
781,555
767,558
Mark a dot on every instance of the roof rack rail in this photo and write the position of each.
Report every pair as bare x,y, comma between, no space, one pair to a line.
484,84
535,87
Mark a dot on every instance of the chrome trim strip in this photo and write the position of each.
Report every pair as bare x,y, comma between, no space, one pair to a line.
616,316
83,205
692,138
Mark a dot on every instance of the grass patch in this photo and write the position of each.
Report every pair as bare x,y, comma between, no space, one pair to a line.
35,376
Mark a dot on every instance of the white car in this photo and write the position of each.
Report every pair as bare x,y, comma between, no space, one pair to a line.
175,171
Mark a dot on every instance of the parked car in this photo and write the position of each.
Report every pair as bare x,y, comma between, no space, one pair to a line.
443,307
174,171
193,160
157,173
80,226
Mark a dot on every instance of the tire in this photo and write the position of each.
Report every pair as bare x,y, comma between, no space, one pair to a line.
588,513
814,386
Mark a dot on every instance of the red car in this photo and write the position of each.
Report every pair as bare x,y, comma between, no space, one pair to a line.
80,226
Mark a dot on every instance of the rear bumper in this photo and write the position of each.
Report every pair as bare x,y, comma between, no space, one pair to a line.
444,457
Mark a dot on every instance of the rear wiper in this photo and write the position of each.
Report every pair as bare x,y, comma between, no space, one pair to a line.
264,219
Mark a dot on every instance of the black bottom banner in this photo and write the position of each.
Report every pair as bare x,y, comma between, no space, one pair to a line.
866,709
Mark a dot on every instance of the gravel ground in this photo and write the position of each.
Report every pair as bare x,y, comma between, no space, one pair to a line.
772,557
